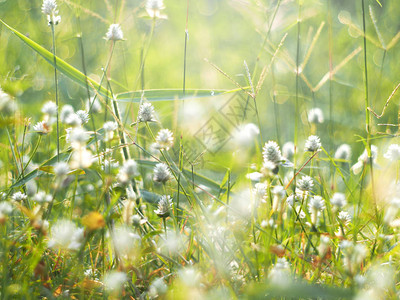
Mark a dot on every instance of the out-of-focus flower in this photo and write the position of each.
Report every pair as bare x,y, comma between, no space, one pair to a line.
272,153
61,169
114,33
313,144
109,128
363,159
154,8
42,197
19,196
5,209
315,206
66,111
305,184
338,200
244,135
393,153
126,242
128,171
344,217
49,108
288,150
81,158
93,105
165,139
66,235
83,115
255,176
114,280
391,210
161,173
343,152
315,115
41,128
280,273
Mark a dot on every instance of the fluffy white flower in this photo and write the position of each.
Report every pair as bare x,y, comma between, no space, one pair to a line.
114,33
126,242
154,7
164,206
41,128
393,153
345,217
161,173
109,128
61,169
146,113
81,158
245,134
66,235
128,171
338,200
114,280
83,115
49,8
272,153
49,108
315,115
165,139
305,184
93,104
288,150
66,111
363,159
343,152
313,144
19,196
42,197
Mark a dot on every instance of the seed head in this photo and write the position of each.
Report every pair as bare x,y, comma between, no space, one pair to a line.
114,33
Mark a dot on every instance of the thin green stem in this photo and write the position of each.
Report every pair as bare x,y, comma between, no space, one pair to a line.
56,90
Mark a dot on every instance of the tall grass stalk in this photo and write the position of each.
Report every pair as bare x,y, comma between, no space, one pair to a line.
56,88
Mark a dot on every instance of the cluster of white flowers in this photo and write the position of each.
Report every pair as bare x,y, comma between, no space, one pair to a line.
128,171
49,8
164,206
161,173
114,33
66,235
146,113
313,144
164,139
154,8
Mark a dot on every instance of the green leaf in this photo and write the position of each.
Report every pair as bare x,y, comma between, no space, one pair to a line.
172,94
198,179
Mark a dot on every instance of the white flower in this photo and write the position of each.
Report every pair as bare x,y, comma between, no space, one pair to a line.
363,159
345,217
146,113
391,210
109,164
109,128
272,153
73,120
260,191
157,288
315,115
255,176
161,173
280,273
78,137
294,198
126,242
42,197
65,112
7,105
343,152
313,144
323,245
164,206
49,8
81,158
93,105
165,139
315,206
114,280
66,235
245,134
61,169
128,171
114,33
338,200
49,108
41,128
5,209
83,115
288,150
393,152
305,184
19,196
154,7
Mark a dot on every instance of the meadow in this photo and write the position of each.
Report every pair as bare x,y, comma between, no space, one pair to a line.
209,149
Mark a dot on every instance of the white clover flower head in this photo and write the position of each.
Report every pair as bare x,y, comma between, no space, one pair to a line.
255,176
83,115
272,153
344,217
165,139
42,197
260,191
61,169
393,153
128,171
154,7
126,242
146,113
66,111
49,108
323,245
114,281
114,33
73,120
93,105
245,134
49,8
280,273
81,158
313,144
315,116
363,159
161,173
343,152
316,204
305,184
41,128
78,137
295,197
19,196
5,209
164,206
338,200
109,128
288,150
279,191
66,235
157,288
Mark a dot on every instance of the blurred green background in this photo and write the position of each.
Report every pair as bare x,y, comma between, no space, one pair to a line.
226,33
